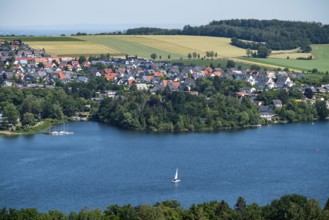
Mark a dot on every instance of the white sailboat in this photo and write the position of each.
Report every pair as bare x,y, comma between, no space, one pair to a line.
64,132
53,132
176,180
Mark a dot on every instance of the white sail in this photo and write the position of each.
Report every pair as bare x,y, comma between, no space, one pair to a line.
176,180
176,175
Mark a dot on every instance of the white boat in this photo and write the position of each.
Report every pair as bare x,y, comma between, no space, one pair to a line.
54,132
64,132
176,180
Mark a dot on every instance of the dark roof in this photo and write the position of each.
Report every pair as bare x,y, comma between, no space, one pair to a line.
266,109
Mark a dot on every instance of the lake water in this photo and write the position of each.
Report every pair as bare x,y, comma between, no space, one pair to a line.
100,165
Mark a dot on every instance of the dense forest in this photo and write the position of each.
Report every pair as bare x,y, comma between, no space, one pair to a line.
275,34
287,207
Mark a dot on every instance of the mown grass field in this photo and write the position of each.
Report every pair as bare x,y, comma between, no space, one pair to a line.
321,61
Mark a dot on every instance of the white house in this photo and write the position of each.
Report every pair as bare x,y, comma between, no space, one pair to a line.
141,86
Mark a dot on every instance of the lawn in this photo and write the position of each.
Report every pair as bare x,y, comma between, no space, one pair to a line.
321,61
72,48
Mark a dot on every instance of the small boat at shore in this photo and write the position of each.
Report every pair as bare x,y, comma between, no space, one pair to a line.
53,132
62,132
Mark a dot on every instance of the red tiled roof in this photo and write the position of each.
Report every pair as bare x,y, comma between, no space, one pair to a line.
149,78
24,58
176,84
165,82
158,74
208,71
241,94
108,70
60,74
110,76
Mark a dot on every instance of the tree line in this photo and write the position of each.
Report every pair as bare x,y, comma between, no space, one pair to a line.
216,107
276,34
287,207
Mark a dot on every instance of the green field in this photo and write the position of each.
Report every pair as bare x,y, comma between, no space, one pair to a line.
125,45
177,46
321,61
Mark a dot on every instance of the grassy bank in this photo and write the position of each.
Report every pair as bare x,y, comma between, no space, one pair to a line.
38,128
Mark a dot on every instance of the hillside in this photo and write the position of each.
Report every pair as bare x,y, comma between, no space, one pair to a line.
278,35
173,47
320,63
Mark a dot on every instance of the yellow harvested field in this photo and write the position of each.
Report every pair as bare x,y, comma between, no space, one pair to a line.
172,44
71,47
201,44
160,44
143,45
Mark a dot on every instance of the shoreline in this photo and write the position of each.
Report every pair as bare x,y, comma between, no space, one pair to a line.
37,128
42,126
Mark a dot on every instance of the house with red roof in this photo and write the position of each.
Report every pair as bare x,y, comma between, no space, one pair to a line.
166,82
60,75
107,70
110,76
158,74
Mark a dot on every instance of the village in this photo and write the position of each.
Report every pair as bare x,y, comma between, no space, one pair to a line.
24,67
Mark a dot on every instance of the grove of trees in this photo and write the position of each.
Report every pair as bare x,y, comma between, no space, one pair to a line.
216,108
285,208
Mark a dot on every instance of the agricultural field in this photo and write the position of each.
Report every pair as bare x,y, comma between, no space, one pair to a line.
126,45
200,44
292,54
176,45
320,61
32,38
72,48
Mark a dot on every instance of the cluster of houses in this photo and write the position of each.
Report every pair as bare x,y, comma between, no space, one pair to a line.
33,68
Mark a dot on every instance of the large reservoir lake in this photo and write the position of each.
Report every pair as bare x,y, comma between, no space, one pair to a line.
100,165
